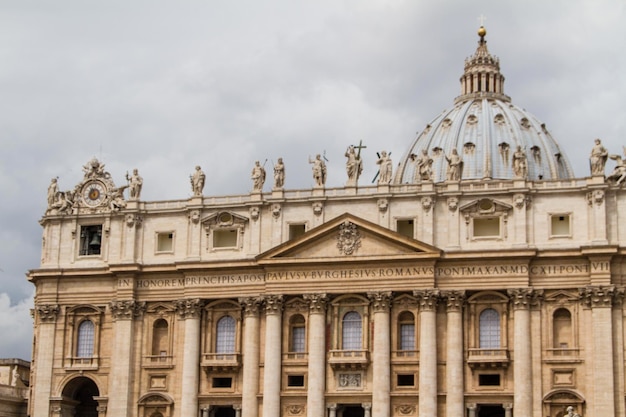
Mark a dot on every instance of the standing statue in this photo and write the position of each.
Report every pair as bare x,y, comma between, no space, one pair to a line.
520,163
423,167
135,182
258,176
386,168
279,174
197,181
53,189
455,166
354,165
571,412
319,170
597,159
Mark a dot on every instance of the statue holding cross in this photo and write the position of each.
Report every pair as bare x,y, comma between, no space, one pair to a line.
354,164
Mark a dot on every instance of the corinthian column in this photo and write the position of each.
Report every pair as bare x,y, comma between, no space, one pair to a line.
600,299
249,405
428,300
315,403
454,353
272,374
190,310
123,313
521,299
381,367
46,317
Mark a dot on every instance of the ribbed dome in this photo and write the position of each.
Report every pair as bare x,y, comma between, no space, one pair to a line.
486,130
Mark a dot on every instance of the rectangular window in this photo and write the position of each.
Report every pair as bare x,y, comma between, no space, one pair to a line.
489,380
406,380
222,382
297,343
90,240
407,337
295,380
405,227
225,238
165,242
487,227
560,225
296,230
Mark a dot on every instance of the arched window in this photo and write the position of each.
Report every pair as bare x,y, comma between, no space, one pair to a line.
225,338
562,329
159,337
489,323
406,331
298,334
352,331
84,341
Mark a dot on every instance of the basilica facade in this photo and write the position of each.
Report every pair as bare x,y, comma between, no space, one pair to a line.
478,278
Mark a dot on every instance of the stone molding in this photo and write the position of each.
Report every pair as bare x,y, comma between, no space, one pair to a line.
126,309
47,313
381,301
524,298
251,306
189,308
317,302
273,304
455,299
427,299
599,296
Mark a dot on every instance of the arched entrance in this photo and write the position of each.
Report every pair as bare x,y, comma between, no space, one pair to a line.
352,411
79,398
224,412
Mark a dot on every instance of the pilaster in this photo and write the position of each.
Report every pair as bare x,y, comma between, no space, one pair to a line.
46,316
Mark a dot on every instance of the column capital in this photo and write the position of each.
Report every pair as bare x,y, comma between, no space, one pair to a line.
524,298
427,299
366,406
251,305
47,313
189,308
126,309
600,296
332,406
381,301
317,302
455,299
273,304
237,407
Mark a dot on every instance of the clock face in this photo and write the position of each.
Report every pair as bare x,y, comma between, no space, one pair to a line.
93,193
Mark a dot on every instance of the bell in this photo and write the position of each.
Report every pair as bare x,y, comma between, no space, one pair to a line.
95,240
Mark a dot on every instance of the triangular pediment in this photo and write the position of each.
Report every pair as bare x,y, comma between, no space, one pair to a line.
349,238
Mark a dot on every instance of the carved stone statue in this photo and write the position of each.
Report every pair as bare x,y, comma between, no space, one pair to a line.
279,174
319,170
116,196
386,168
197,181
619,172
53,189
597,159
455,166
571,412
423,167
520,163
354,165
95,169
135,182
258,177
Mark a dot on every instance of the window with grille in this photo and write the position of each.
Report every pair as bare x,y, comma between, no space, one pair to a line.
406,331
352,331
84,342
489,323
225,338
298,332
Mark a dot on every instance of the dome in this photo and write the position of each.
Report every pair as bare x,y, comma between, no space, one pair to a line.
487,135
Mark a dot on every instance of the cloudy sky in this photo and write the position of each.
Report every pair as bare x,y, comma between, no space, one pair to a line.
163,86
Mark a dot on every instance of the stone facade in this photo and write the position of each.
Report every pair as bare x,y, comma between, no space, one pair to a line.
468,297
14,382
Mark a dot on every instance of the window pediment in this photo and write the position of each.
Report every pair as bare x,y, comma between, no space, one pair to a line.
485,206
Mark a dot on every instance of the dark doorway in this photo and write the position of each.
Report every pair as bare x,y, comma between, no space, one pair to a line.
83,390
490,410
224,412
353,411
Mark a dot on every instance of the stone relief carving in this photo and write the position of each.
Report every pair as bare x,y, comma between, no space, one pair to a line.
427,299
319,170
126,309
295,409
47,312
194,216
317,302
521,200
405,409
197,180
597,158
254,213
381,301
273,304
133,220
251,305
383,204
276,209
571,412
349,238
453,203
318,208
350,380
596,196
189,308
427,203
258,177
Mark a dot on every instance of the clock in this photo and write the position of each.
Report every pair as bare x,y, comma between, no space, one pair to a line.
94,193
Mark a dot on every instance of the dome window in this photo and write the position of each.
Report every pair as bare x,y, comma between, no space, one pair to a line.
437,151
446,123
536,153
525,123
469,148
472,119
499,119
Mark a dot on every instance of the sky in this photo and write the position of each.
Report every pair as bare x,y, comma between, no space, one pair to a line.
163,86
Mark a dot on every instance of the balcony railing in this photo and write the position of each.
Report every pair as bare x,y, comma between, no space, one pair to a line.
405,356
563,355
158,361
488,358
221,362
83,362
349,359
295,357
